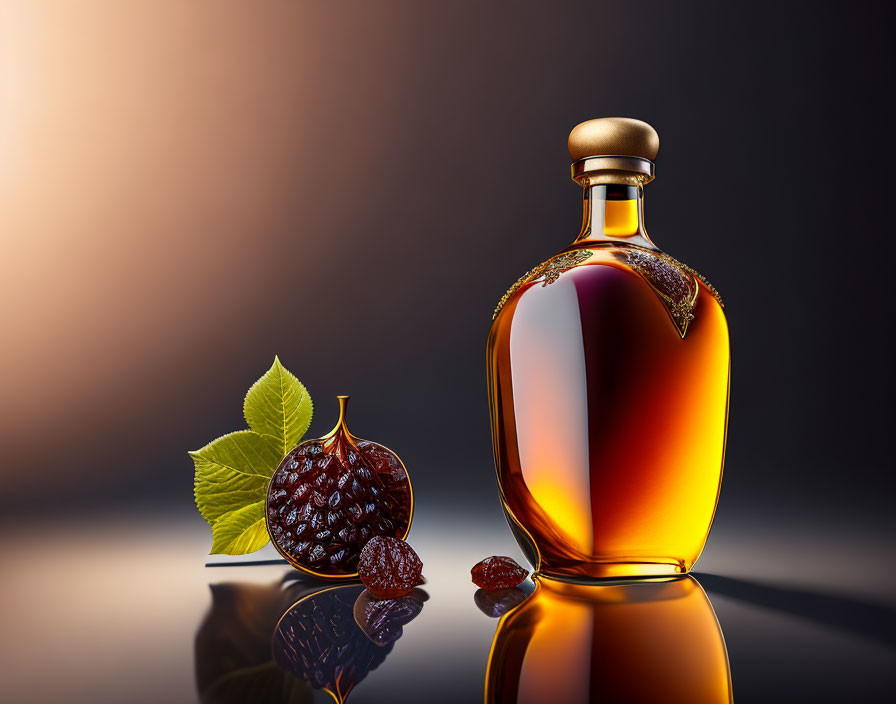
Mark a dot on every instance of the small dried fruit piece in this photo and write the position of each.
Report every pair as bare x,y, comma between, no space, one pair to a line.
498,572
389,567
330,496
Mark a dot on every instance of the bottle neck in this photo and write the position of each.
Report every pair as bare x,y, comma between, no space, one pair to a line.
614,213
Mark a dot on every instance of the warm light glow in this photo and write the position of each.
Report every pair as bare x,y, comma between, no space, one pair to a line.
156,162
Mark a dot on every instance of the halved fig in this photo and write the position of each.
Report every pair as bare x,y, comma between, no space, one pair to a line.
330,496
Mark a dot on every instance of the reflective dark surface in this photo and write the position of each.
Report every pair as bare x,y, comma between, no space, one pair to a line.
144,620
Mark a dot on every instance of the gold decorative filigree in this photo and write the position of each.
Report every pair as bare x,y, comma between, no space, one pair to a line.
712,289
675,283
551,271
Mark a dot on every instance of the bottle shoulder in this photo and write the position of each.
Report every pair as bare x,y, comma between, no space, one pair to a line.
676,284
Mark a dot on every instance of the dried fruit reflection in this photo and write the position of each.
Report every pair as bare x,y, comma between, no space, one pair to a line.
637,642
494,603
383,620
319,640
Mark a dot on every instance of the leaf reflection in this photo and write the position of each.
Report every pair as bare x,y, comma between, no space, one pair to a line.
233,645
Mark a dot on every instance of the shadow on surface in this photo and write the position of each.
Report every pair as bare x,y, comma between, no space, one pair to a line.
874,621
244,563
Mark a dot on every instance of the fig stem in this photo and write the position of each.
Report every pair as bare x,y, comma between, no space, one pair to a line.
343,410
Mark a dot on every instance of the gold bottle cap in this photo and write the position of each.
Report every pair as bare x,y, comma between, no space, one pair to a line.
613,150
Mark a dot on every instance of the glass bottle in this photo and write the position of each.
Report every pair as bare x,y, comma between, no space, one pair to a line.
647,641
608,370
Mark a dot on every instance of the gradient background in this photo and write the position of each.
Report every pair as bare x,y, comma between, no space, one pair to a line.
188,188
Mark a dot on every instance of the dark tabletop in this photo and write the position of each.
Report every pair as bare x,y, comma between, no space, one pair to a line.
124,608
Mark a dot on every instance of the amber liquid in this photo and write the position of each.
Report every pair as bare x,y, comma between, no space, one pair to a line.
608,424
637,643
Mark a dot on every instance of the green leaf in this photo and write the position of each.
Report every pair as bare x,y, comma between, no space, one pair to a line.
241,531
232,472
278,406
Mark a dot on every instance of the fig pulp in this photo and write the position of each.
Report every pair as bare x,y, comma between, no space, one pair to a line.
389,567
330,496
498,572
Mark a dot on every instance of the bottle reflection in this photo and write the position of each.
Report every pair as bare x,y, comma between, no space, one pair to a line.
636,642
